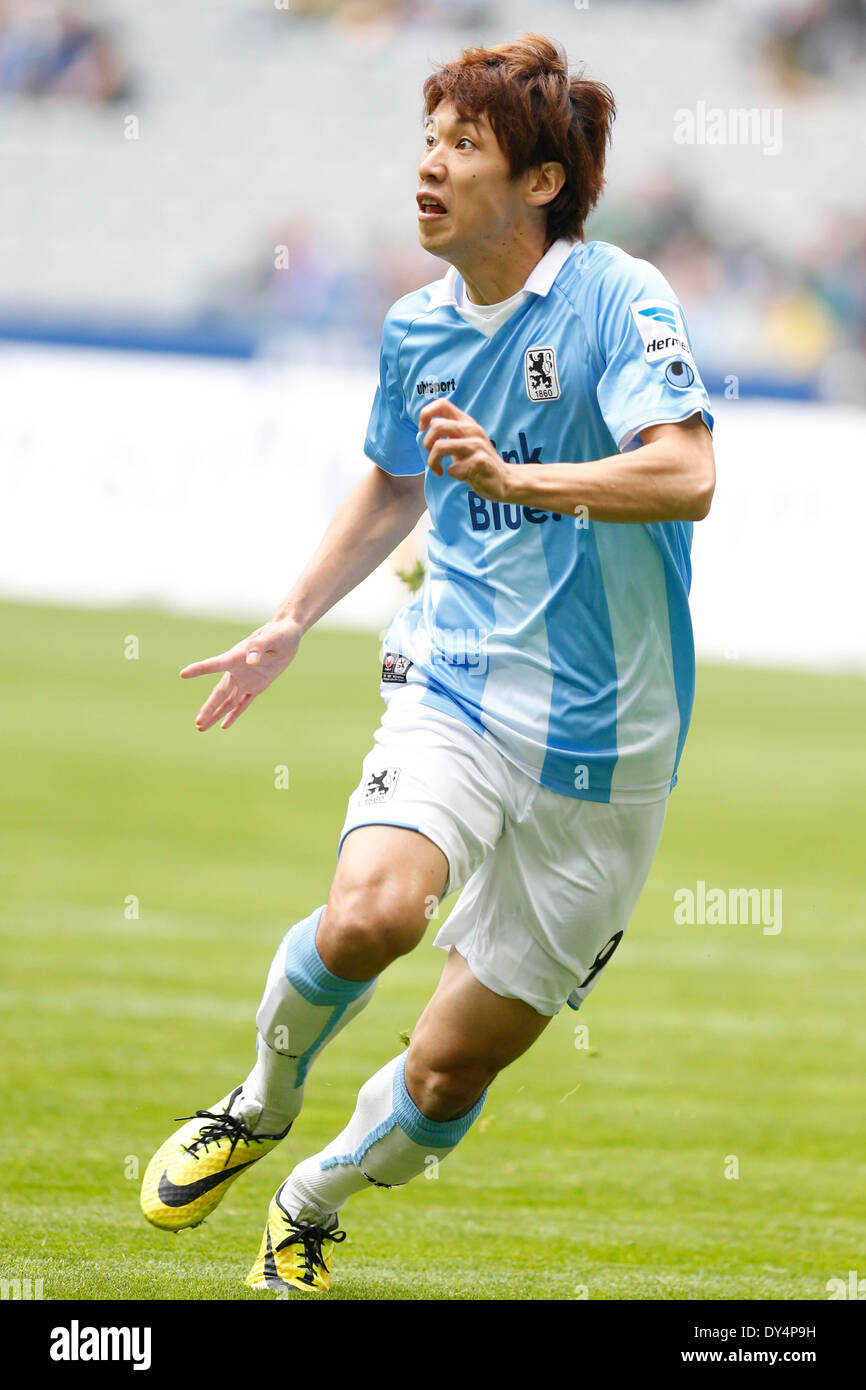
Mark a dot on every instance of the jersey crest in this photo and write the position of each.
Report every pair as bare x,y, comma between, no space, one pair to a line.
542,378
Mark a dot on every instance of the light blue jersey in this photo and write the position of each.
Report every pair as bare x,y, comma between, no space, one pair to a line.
567,642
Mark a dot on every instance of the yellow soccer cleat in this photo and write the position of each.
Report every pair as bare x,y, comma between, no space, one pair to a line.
190,1174
294,1254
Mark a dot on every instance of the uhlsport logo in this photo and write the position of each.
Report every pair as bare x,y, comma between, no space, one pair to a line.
432,387
660,325
542,381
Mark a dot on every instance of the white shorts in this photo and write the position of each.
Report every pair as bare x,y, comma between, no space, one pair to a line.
549,881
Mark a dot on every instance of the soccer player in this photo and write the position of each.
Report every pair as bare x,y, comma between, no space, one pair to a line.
543,402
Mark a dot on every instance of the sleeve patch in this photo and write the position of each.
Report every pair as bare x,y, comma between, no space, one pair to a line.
660,325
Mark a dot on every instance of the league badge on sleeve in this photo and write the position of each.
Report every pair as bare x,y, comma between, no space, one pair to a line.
679,374
542,379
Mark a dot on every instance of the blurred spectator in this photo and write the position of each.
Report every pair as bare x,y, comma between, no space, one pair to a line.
750,311
745,303
301,289
816,40
47,49
770,316
456,13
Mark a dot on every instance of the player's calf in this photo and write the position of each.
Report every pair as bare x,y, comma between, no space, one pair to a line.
387,1142
323,974
304,1006
325,971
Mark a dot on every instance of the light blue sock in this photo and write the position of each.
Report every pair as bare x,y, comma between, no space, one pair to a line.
387,1142
303,1007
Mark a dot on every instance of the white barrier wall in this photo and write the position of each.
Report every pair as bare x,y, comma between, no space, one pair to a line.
205,485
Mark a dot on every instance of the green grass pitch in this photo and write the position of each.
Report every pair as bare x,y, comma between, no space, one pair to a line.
596,1171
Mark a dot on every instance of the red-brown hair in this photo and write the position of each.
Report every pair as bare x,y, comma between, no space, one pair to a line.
538,113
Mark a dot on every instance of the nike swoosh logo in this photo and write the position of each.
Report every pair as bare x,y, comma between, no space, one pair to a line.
272,1278
173,1196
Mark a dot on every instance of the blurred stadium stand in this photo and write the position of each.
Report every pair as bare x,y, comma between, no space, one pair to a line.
159,161
154,156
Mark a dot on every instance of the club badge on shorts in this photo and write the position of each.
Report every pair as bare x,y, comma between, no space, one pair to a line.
379,786
542,378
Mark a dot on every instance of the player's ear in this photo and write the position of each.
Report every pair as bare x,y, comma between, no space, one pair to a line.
543,182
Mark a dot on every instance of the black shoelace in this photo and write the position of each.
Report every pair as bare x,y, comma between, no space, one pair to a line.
311,1237
222,1127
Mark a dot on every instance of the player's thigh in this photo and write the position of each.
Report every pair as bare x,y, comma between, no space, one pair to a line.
430,773
465,1036
426,812
545,913
585,866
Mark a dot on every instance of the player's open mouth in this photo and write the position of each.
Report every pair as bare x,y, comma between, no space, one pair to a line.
430,207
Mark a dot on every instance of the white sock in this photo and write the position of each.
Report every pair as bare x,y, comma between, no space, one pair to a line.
303,1007
387,1142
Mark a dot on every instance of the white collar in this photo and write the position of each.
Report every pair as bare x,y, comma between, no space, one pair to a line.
540,280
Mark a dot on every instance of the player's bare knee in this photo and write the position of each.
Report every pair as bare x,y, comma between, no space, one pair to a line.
369,919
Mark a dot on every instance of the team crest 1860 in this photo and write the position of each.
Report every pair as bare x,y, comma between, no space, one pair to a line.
542,381
379,786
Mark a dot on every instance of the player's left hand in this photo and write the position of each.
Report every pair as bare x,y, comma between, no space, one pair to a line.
474,461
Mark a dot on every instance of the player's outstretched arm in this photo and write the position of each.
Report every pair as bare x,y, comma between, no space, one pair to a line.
372,519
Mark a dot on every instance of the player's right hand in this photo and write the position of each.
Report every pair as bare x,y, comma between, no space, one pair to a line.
249,668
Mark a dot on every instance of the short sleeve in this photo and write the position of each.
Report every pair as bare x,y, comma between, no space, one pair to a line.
392,437
649,375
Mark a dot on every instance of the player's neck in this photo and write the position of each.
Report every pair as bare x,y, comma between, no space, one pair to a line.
492,273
